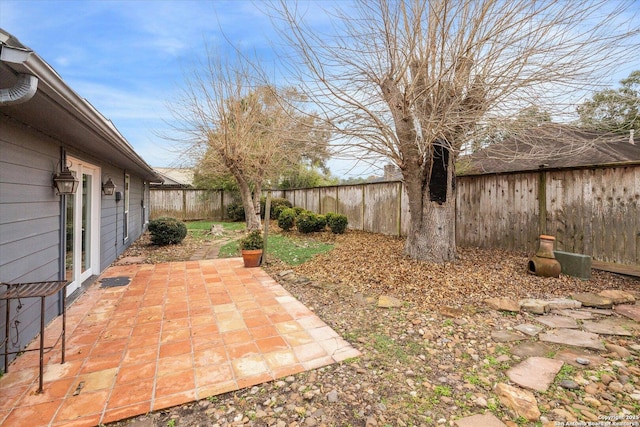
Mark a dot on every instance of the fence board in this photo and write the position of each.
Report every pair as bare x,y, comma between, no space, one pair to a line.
380,208
350,204
328,199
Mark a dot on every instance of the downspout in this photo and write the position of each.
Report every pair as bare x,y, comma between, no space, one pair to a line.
26,85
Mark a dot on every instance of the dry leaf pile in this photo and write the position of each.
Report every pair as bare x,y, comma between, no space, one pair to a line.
374,264
153,254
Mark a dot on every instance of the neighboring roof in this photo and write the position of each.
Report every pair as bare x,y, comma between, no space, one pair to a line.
552,146
59,112
176,177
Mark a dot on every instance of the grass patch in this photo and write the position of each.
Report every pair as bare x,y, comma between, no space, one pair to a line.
294,251
231,249
206,225
386,346
289,250
441,390
566,372
200,230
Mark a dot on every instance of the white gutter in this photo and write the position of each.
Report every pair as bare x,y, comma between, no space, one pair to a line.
26,85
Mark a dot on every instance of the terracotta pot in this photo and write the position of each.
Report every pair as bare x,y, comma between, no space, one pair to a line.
544,262
545,267
252,257
546,246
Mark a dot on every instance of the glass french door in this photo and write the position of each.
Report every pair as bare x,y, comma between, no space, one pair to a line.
82,225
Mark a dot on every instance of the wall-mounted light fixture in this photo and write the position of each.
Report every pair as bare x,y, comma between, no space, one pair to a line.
65,182
108,188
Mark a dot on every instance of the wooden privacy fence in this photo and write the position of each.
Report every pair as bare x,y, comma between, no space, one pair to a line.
593,211
190,204
376,207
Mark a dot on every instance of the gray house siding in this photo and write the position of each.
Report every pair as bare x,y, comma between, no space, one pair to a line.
135,208
113,241
29,224
30,218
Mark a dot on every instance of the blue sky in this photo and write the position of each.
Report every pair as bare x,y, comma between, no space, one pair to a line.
129,58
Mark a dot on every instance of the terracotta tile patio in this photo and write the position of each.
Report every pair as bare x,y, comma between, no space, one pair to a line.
178,332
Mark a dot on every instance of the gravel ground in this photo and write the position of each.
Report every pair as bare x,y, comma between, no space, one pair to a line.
430,361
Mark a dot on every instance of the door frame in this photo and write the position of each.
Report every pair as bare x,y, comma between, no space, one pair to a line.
80,274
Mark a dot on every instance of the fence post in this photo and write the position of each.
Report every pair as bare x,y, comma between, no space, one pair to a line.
267,218
542,202
184,204
222,205
399,201
363,210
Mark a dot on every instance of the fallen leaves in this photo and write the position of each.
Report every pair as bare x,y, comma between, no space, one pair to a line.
374,264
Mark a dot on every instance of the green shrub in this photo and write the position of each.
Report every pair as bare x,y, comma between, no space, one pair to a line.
235,212
299,210
308,222
287,219
277,204
278,210
167,231
252,241
321,222
337,222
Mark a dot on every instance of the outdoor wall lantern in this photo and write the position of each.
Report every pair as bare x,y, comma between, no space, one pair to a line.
65,182
108,188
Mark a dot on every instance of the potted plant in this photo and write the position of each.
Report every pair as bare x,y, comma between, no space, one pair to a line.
251,246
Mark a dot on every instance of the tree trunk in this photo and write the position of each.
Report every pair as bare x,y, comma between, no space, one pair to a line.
432,235
257,207
252,220
432,205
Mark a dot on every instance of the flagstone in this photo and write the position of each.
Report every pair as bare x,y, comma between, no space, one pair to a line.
386,301
522,402
529,329
574,338
531,348
535,306
630,311
484,420
563,303
592,300
506,336
558,321
503,304
617,296
571,356
599,311
535,373
606,327
575,314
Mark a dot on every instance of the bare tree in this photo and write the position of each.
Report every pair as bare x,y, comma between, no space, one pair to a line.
414,81
238,124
